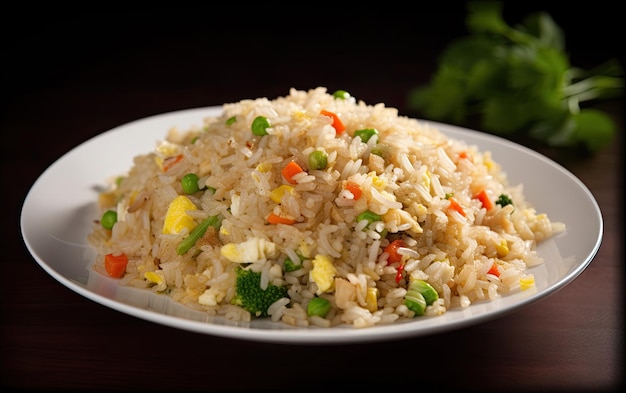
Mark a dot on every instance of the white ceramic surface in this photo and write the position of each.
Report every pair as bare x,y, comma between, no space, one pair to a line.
58,209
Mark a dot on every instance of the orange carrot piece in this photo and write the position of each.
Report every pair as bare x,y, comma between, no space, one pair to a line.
392,250
276,219
454,205
337,123
354,189
290,170
171,161
115,264
494,270
483,197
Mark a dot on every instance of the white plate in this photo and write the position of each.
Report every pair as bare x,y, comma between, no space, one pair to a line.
58,209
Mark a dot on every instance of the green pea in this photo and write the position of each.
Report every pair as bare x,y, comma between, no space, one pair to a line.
365,134
108,219
341,94
318,306
318,160
260,125
189,182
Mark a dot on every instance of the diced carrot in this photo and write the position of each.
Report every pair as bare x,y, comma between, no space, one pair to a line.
392,250
354,189
463,154
337,123
276,219
171,161
115,264
483,197
454,205
494,270
290,170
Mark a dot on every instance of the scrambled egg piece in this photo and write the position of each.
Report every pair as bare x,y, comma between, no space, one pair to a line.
252,250
177,218
211,297
323,273
157,278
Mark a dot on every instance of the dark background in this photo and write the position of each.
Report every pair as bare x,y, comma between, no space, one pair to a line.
69,75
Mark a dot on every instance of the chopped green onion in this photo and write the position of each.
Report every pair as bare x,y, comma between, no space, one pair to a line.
427,290
380,149
415,302
368,215
420,294
231,120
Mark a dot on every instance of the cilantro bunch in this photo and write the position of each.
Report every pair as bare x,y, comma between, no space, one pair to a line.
518,81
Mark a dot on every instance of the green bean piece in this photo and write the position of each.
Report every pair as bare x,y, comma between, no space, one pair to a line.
260,125
189,182
197,233
318,306
341,94
365,134
318,160
108,219
368,215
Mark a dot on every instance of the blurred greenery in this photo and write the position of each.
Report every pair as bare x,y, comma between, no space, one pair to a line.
518,82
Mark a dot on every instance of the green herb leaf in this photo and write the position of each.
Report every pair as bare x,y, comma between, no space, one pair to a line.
518,80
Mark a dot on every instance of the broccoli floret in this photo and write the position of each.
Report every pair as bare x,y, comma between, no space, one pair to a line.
250,296
504,200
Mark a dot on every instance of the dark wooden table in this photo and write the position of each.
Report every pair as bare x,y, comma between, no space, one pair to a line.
71,77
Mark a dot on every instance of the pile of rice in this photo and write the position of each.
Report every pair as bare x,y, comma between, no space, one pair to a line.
407,175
